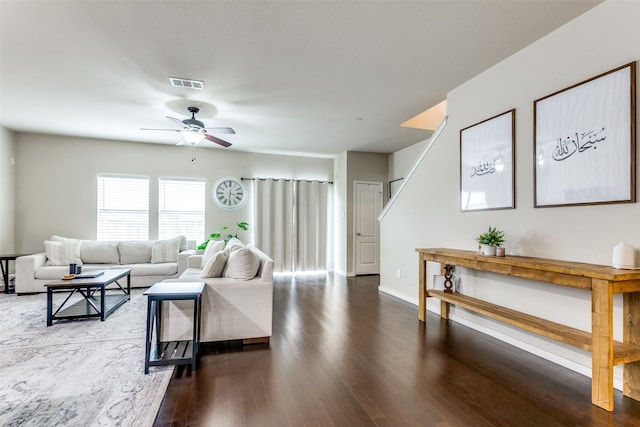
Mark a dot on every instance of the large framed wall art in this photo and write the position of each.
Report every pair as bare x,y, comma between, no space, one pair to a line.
584,151
487,164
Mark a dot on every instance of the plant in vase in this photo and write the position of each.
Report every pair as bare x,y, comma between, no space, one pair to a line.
219,235
490,240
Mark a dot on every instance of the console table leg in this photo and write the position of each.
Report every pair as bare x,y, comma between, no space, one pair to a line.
422,303
631,309
602,356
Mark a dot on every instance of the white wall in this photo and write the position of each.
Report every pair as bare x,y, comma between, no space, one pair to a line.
426,214
401,161
56,180
340,206
7,192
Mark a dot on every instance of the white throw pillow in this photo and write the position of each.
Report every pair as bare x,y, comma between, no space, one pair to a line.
234,243
62,252
135,252
100,252
182,242
215,265
212,248
243,264
164,251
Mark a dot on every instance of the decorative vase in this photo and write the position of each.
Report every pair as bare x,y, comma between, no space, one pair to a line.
488,250
623,256
500,252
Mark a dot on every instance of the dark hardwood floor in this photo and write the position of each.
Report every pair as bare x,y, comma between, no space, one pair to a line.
343,354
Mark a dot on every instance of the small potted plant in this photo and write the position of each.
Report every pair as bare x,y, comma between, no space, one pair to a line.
490,240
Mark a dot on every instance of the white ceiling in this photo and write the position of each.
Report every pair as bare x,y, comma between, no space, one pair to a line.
315,77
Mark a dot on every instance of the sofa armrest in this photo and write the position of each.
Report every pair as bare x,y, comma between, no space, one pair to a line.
26,272
183,260
194,261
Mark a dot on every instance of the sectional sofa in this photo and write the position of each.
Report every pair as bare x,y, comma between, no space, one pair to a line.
150,261
237,302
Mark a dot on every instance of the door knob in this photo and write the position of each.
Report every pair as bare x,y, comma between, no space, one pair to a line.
358,234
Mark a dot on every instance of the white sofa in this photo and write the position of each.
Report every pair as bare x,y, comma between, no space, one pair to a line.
232,308
150,261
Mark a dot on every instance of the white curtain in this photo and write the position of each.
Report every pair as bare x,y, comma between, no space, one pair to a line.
273,214
292,223
311,228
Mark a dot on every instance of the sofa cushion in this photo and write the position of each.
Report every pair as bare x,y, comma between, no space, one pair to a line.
243,264
148,269
99,252
215,266
191,274
135,252
54,272
212,248
62,252
165,251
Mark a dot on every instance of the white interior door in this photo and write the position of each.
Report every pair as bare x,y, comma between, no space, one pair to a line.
368,204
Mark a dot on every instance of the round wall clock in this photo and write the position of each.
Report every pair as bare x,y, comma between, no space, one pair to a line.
229,193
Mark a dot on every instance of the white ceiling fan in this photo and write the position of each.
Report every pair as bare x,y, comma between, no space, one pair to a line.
194,131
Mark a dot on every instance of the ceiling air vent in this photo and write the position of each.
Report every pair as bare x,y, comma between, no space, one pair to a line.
191,84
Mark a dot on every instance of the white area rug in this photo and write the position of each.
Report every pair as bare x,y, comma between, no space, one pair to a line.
76,373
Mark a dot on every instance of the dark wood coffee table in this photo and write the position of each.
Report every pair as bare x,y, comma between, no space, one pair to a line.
95,302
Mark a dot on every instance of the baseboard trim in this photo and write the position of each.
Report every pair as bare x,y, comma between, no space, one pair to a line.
397,295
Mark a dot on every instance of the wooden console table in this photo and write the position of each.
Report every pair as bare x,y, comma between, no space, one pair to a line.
602,281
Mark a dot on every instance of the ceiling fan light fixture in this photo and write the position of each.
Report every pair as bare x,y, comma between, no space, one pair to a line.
192,137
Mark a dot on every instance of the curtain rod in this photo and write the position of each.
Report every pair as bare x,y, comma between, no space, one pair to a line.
286,180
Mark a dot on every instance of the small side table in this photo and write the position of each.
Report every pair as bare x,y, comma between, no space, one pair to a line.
171,352
4,265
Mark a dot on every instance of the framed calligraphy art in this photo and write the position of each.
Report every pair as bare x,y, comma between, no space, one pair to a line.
584,150
487,164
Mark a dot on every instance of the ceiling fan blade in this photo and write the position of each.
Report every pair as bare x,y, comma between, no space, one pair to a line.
223,130
172,130
217,140
177,121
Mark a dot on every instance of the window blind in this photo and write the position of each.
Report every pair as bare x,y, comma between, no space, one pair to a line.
123,208
181,208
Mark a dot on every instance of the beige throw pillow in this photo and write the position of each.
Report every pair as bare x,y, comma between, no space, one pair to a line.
234,243
212,248
62,252
243,264
215,265
182,242
164,251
